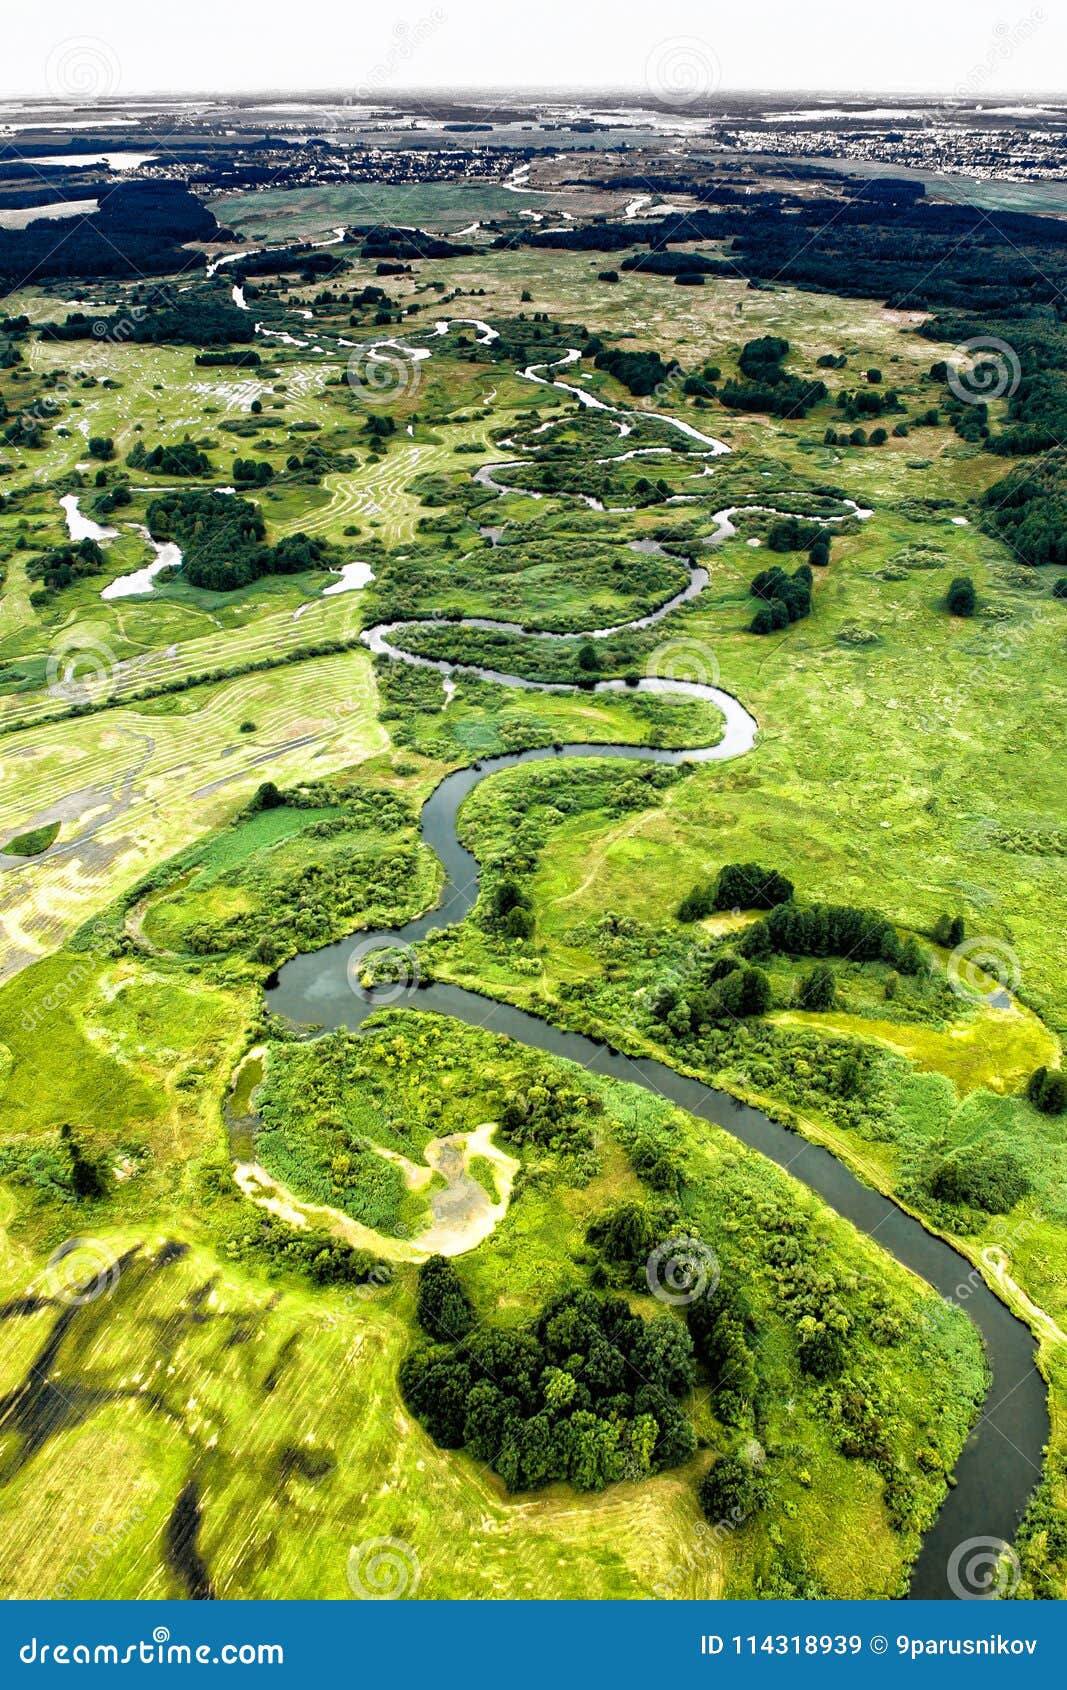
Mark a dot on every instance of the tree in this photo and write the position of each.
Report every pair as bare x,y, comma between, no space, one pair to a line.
818,988
267,796
518,923
624,1233
88,1174
594,1457
1047,1090
442,1307
848,1075
961,599
949,930
743,992
435,1384
819,552
698,903
733,1490
663,1356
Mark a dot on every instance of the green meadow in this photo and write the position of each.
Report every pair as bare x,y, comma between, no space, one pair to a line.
249,1333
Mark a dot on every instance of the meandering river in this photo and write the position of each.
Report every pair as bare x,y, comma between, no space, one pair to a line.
1002,1459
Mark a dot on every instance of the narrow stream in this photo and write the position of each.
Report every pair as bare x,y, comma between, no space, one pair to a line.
1002,1459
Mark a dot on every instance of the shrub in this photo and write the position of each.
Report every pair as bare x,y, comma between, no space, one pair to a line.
978,1177
961,598
1047,1090
734,1490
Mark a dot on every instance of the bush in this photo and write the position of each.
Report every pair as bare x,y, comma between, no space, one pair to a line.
1047,1090
981,1178
733,1490
822,1354
961,598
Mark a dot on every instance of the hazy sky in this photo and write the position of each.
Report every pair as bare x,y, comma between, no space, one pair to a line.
132,46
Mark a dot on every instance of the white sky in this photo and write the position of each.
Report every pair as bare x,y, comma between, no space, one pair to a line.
133,46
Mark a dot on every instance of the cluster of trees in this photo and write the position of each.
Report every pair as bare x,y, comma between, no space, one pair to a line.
821,930
868,402
817,989
1028,510
307,1251
205,317
720,1325
794,534
716,991
112,499
183,459
62,565
980,1176
702,383
1037,402
222,540
246,359
734,1490
766,386
739,886
587,1392
550,1112
641,373
860,437
786,598
405,245
510,910
949,930
252,472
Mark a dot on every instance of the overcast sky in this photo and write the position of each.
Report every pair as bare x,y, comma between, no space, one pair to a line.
135,46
